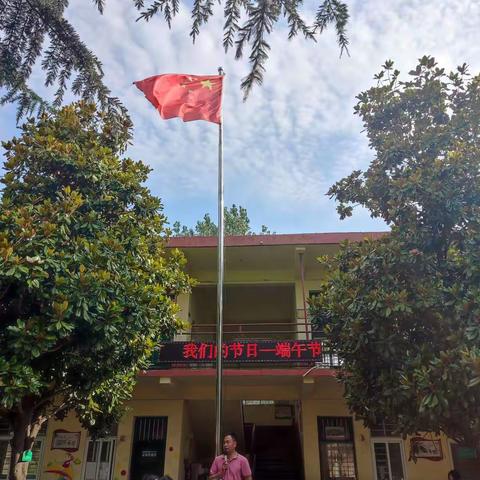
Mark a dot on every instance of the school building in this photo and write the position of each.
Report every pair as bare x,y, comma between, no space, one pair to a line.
281,396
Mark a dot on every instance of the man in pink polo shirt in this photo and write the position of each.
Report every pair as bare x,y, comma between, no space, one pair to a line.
231,465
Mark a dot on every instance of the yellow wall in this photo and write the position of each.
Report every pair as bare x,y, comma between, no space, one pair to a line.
183,302
173,409
177,433
326,400
187,448
428,469
189,445
59,460
311,409
244,303
264,415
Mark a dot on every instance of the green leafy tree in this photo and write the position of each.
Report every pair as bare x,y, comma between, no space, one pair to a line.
236,223
86,286
33,29
403,311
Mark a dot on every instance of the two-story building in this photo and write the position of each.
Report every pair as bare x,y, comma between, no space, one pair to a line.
281,396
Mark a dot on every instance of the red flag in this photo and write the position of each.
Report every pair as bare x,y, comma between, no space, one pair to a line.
190,97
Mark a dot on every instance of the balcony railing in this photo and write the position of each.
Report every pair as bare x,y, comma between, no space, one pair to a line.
250,330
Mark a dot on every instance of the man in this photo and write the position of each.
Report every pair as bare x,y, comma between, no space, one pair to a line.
231,465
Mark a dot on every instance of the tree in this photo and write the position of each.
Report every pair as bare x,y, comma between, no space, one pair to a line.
86,287
236,223
27,25
403,311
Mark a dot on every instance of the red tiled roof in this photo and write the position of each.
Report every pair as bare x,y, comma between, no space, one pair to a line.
284,239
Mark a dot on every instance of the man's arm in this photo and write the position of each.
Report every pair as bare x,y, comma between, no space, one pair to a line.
246,471
216,472
216,476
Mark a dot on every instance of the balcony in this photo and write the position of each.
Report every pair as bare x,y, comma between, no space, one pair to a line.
250,311
272,345
262,327
300,329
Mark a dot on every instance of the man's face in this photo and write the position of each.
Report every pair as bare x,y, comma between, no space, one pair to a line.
229,444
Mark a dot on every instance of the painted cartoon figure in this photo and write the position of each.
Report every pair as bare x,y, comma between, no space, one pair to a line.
63,468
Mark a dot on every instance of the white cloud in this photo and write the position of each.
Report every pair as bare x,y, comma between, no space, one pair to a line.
296,135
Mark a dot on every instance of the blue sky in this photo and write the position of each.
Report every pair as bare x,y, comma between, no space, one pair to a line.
297,134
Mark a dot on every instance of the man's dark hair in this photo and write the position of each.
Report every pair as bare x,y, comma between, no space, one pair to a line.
233,435
455,474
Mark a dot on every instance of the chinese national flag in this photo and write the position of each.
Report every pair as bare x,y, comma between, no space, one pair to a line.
190,97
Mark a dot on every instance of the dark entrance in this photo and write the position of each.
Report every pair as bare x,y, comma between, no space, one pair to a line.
277,453
148,454
272,439
466,460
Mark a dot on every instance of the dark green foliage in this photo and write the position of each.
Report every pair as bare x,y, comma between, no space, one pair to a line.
37,29
86,286
403,311
236,223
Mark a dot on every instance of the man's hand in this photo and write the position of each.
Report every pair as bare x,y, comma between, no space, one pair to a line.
217,476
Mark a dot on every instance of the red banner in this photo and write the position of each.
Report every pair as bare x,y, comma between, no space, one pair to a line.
294,351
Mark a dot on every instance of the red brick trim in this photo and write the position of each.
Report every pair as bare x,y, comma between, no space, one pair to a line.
237,372
287,239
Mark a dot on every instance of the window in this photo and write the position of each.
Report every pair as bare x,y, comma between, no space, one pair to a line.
4,457
337,450
388,455
383,429
34,468
35,464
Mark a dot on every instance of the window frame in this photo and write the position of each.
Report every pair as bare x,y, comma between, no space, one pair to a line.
387,440
42,440
350,423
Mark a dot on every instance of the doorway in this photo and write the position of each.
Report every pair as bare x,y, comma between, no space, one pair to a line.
199,429
99,462
148,452
272,439
466,460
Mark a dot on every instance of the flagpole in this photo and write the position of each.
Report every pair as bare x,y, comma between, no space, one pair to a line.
220,278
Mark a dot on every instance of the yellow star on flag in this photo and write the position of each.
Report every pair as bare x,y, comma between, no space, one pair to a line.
207,84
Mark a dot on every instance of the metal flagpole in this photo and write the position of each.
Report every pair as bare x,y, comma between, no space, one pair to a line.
220,248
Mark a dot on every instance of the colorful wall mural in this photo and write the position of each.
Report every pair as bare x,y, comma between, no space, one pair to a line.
63,468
